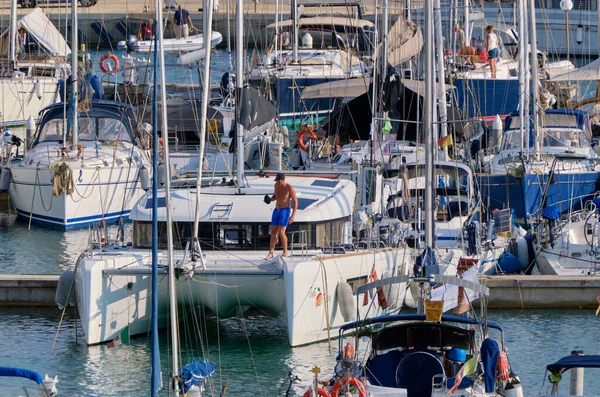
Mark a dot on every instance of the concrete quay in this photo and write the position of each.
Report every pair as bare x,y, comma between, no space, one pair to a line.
506,292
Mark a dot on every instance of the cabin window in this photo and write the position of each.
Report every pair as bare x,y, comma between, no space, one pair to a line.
52,131
102,129
329,234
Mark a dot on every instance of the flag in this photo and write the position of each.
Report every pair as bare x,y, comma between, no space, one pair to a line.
467,369
445,141
598,309
122,338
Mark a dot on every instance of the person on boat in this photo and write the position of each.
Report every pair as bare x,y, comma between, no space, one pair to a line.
281,217
491,46
146,31
467,53
183,22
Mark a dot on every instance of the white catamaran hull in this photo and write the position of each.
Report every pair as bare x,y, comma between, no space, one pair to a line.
113,289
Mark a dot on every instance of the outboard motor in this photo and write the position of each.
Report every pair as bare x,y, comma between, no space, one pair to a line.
131,41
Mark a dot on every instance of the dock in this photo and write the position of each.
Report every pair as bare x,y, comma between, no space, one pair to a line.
506,292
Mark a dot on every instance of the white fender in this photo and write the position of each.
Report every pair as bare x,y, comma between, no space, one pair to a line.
346,301
523,253
65,281
513,388
145,178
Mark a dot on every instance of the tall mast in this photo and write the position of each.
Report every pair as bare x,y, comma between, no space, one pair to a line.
156,376
173,386
467,23
522,54
428,122
13,31
295,31
208,11
534,80
74,74
443,127
239,84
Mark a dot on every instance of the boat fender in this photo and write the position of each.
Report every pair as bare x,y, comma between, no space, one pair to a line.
106,67
349,350
286,137
39,91
5,179
322,392
513,388
393,294
508,263
306,129
346,301
162,173
145,178
65,282
518,247
362,391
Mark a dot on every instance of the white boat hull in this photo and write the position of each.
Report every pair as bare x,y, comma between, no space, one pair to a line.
113,289
102,193
24,97
192,43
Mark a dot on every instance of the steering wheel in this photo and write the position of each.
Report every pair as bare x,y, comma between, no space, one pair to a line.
416,371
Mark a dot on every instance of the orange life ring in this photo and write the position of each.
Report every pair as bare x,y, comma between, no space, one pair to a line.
306,129
322,392
362,391
113,58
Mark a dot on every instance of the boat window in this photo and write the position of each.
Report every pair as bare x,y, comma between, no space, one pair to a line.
102,129
329,234
512,140
52,131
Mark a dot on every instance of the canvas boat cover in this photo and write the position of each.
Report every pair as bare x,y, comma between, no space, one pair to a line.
37,24
195,373
591,72
22,373
405,41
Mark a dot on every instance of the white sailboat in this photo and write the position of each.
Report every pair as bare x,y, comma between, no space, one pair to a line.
184,44
81,169
32,62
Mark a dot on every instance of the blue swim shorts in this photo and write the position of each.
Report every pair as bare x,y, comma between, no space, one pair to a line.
493,53
281,216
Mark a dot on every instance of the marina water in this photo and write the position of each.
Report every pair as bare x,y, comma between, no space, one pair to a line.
252,353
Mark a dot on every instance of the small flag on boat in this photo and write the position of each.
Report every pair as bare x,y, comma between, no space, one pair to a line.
467,369
122,338
445,141
598,309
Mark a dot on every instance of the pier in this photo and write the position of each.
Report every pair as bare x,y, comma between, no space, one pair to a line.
506,292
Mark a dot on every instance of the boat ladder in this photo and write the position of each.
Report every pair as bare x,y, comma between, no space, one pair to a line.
220,211
300,242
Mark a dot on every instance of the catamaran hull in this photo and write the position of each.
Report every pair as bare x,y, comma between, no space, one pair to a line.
100,194
21,98
113,290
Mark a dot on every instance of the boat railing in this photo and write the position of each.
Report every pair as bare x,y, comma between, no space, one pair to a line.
300,242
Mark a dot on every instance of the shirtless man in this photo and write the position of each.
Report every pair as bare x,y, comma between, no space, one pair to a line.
281,214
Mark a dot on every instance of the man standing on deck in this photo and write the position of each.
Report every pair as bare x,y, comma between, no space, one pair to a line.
183,23
281,214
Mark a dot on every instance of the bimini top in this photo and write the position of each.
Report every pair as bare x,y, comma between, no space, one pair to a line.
570,362
339,24
21,373
420,317
554,118
319,200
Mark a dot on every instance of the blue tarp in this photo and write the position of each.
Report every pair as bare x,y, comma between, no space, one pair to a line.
489,358
22,373
195,373
552,213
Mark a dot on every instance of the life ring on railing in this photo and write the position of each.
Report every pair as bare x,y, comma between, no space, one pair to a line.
362,391
113,58
503,368
307,129
322,392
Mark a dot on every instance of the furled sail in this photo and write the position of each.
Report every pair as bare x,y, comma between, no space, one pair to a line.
405,41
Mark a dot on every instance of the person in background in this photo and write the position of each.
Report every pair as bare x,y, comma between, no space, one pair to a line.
146,31
491,46
183,22
281,217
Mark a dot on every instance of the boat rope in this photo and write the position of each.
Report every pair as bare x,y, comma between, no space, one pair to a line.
326,293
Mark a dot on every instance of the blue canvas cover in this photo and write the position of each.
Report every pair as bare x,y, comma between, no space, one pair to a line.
20,372
551,213
568,362
195,373
489,358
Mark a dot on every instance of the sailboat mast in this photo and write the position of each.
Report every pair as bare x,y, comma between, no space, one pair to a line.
443,112
13,31
239,84
295,31
174,386
428,122
208,14
534,80
522,54
74,74
155,375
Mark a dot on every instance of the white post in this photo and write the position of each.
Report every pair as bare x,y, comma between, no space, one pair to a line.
295,31
576,381
467,23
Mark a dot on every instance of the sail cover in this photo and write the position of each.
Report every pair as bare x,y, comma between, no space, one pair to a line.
195,373
405,41
591,72
22,373
37,24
